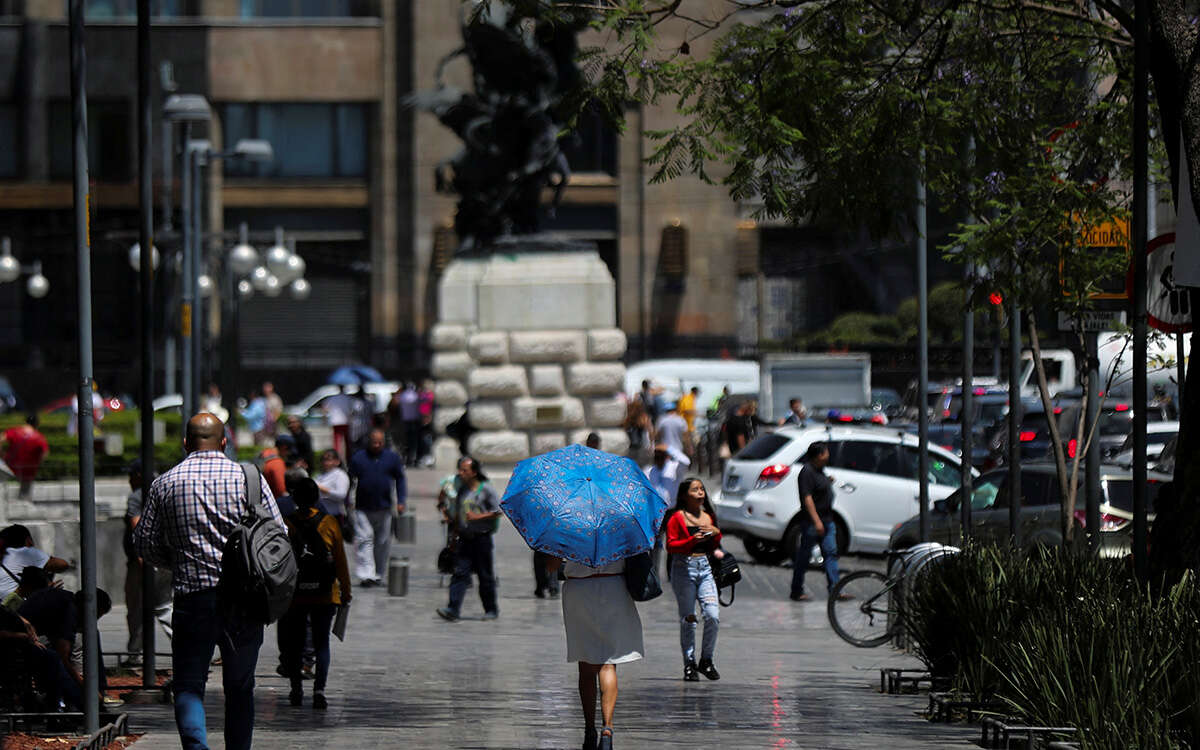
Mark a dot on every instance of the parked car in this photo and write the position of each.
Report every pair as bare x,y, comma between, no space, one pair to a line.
875,480
1158,434
310,407
1040,516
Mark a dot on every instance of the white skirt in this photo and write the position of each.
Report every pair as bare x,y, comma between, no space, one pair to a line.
601,621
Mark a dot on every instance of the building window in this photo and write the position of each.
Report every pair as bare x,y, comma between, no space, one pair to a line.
8,140
592,146
308,8
110,141
309,140
100,10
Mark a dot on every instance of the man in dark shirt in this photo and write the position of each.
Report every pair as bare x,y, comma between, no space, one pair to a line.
375,469
816,519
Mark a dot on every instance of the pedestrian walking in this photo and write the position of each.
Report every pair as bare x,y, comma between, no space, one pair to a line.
742,425
24,448
425,405
664,475
272,460
687,410
692,535
545,580
362,414
603,630
186,520
334,485
274,406
816,520
161,593
337,413
303,448
671,429
255,415
651,398
473,515
638,427
406,411
375,469
322,585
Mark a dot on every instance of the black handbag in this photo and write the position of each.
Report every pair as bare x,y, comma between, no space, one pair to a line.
640,577
726,572
447,560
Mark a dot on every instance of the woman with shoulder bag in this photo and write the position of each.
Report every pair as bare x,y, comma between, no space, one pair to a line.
692,535
603,630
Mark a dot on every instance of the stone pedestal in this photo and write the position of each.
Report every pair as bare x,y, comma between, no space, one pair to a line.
528,336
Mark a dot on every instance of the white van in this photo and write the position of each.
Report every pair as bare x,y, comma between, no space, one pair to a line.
674,376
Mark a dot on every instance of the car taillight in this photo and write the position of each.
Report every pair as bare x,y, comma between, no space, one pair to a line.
1072,446
771,476
846,418
1027,436
878,419
1121,407
1108,522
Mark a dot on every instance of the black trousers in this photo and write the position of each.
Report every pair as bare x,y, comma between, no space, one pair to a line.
545,580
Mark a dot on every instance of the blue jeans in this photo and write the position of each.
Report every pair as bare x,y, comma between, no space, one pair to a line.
693,581
809,539
474,556
199,628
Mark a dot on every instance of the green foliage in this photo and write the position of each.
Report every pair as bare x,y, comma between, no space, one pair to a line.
826,112
1065,640
63,459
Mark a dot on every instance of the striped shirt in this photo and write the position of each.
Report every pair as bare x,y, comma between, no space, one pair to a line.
188,515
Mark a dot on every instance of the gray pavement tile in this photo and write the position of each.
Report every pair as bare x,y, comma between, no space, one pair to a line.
405,678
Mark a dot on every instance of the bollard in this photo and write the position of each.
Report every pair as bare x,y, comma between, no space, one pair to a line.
405,531
398,577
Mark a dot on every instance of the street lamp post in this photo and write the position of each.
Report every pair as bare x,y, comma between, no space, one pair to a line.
187,109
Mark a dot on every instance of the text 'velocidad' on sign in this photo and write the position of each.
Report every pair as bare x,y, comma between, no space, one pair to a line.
1107,237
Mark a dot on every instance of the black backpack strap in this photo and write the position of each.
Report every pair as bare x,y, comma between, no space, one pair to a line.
253,484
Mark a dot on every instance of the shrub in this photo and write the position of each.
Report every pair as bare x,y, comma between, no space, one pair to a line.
1064,639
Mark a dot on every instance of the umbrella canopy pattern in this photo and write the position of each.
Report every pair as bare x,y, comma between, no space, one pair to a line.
583,505
354,375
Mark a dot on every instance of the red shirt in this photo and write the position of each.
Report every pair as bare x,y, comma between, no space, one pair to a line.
26,449
680,542
273,470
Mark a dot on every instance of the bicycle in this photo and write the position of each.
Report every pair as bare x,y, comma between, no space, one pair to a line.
866,608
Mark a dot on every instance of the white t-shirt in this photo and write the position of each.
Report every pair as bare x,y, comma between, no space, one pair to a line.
337,408
670,431
16,560
337,481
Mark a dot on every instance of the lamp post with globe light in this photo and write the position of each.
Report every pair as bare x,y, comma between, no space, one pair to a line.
37,286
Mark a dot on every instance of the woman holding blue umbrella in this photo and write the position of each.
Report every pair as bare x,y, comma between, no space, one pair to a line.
590,511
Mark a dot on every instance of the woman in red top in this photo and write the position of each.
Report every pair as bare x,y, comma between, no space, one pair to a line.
692,534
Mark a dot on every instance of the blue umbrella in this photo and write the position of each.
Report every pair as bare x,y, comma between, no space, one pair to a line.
354,375
583,505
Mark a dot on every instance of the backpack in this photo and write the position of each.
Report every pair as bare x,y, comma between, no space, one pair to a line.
314,559
258,566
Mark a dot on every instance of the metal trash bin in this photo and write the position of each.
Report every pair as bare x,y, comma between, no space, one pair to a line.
404,530
398,577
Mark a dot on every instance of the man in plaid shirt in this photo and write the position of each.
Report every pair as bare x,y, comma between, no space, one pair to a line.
188,514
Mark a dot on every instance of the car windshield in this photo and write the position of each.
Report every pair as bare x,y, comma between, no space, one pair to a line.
1119,494
762,447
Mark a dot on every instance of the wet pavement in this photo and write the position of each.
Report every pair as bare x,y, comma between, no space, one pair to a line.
404,678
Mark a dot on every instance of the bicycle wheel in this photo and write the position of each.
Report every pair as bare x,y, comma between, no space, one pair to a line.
859,609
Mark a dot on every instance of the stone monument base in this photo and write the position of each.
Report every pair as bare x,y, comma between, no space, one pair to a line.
528,337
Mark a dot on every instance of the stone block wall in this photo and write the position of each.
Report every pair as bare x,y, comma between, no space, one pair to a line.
530,340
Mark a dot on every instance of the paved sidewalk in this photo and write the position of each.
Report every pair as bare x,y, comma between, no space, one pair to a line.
405,679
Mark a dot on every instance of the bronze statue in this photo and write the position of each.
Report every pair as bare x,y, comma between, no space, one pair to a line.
523,67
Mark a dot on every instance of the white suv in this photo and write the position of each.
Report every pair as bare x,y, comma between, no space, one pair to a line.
875,479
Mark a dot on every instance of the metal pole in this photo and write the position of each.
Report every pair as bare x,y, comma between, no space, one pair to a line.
87,468
168,179
922,355
1140,179
186,307
199,263
1181,364
146,240
1014,419
230,302
1092,467
966,411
